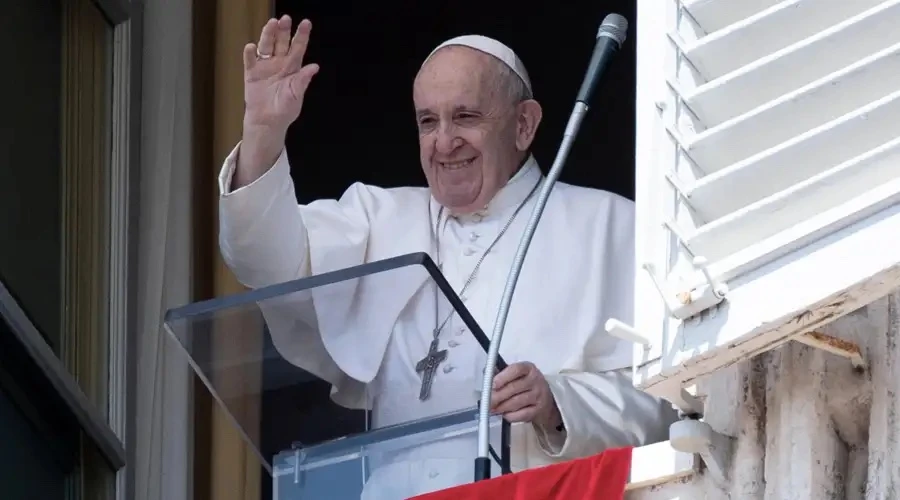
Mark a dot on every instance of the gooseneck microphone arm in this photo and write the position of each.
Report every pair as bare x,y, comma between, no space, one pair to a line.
610,37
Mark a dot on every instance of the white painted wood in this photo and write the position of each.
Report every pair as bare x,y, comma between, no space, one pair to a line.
810,200
793,161
806,173
794,294
788,69
796,112
806,231
713,15
652,99
767,31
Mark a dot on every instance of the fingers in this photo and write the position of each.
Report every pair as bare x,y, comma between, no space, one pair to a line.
283,36
299,81
512,372
524,415
249,56
267,37
509,391
517,402
298,47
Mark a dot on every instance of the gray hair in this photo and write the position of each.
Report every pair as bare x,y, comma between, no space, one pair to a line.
509,84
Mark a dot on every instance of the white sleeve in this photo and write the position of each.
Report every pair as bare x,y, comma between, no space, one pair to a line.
602,411
261,232
266,237
600,407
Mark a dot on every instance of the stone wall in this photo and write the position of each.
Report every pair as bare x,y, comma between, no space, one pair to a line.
806,424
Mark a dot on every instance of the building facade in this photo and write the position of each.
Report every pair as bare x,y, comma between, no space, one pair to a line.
768,175
765,145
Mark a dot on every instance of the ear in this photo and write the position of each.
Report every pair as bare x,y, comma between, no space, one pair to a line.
530,114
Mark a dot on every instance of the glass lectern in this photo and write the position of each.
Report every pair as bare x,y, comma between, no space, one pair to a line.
285,363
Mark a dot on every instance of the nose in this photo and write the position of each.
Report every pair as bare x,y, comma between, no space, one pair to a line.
447,140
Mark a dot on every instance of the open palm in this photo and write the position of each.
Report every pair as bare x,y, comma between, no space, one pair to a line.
275,78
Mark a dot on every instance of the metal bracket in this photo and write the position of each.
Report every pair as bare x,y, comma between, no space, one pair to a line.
687,304
835,346
714,448
622,331
297,461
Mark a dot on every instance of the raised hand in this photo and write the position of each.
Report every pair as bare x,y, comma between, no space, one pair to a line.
275,81
275,78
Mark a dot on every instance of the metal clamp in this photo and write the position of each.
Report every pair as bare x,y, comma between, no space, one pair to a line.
622,331
687,304
297,460
714,448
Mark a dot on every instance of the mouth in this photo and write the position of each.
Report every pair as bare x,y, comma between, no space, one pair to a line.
457,165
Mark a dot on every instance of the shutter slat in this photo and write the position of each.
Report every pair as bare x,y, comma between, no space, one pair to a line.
713,15
766,32
793,161
768,217
792,114
797,65
808,231
809,95
768,173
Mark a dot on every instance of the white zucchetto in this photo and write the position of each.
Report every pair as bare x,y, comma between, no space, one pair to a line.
491,47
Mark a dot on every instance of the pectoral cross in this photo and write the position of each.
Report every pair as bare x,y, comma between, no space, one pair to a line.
427,366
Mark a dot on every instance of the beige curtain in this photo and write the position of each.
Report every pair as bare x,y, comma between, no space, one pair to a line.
227,468
162,466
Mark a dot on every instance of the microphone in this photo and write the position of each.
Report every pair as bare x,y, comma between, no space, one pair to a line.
609,39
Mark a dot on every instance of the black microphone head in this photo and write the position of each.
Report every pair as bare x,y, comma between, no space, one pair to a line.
614,26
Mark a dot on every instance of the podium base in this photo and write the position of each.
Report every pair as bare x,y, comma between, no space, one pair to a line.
482,468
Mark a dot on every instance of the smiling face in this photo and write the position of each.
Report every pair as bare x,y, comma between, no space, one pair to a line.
474,131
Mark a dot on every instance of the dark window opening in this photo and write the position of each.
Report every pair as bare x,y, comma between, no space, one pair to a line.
358,122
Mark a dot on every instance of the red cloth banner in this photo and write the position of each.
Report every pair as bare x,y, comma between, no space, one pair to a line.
600,477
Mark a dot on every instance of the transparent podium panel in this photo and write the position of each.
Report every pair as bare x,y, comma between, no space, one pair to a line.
343,369
392,462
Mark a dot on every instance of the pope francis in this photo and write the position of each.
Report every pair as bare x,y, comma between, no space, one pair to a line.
567,389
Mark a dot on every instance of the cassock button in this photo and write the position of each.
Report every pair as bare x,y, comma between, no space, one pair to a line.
473,236
469,251
449,368
460,331
453,343
433,474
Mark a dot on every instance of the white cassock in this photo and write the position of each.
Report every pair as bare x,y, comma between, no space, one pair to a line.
578,273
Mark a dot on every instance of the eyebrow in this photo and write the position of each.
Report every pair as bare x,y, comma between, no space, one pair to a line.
422,112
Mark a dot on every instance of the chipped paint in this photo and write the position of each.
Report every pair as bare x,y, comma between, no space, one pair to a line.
806,424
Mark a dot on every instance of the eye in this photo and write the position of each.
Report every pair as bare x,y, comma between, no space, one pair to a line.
427,120
467,117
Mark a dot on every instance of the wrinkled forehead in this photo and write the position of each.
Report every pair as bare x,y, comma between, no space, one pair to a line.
455,74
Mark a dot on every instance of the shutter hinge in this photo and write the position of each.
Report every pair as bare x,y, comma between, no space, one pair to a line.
689,303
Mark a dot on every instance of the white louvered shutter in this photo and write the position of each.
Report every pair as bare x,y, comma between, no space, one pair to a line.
768,137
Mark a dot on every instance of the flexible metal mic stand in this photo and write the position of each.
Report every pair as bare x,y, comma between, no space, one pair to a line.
609,39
